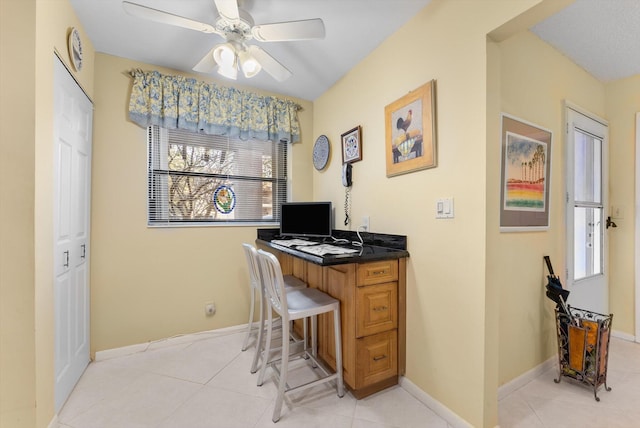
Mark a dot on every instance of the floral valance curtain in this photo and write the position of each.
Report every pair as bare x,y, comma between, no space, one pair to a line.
186,103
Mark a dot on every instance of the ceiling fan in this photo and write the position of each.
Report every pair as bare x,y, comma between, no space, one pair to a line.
236,26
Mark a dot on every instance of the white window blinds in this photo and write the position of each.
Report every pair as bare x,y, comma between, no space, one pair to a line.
198,178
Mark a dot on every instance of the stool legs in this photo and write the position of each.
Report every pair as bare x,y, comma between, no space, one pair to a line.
267,348
256,355
284,360
337,334
284,367
250,323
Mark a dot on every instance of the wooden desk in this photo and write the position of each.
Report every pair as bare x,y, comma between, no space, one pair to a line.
372,296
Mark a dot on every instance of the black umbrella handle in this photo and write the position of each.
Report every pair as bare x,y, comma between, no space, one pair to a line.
547,260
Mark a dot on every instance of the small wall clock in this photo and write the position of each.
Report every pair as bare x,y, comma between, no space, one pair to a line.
75,49
321,152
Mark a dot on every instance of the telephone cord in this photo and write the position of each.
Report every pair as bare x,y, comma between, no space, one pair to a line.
347,205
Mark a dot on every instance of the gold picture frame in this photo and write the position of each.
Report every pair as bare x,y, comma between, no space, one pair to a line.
352,145
410,142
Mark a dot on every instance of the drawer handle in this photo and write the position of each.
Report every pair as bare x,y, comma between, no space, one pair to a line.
379,357
378,272
380,308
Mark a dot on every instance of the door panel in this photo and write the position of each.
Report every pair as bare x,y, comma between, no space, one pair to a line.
73,114
637,223
587,186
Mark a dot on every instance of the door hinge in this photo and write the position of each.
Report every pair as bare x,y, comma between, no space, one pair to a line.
566,274
567,194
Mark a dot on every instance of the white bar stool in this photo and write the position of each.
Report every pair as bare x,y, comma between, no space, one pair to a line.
255,290
294,305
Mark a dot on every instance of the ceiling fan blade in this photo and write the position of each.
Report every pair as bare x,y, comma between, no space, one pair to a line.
207,64
228,9
270,64
156,15
294,30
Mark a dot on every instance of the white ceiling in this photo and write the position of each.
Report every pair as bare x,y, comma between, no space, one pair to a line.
354,28
602,36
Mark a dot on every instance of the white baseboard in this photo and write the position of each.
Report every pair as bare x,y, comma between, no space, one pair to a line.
526,377
54,422
170,341
438,408
624,336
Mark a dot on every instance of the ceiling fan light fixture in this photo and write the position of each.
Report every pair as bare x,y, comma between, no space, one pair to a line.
250,66
225,55
228,72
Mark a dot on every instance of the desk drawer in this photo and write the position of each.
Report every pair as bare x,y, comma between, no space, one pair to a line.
377,358
376,308
377,272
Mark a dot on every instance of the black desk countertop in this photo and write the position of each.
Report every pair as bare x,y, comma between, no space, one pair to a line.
376,247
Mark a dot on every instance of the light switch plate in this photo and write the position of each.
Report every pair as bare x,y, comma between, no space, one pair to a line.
444,208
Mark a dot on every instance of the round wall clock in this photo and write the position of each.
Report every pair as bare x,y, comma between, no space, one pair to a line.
75,49
321,152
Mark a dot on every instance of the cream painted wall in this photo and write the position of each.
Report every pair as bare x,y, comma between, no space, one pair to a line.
622,103
152,283
449,354
27,96
535,80
452,311
17,105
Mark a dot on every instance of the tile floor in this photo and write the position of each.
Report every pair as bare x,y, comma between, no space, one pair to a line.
543,403
206,383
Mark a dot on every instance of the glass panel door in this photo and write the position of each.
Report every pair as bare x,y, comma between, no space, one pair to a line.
588,209
586,236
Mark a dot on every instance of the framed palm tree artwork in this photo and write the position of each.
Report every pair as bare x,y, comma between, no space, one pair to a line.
525,176
410,143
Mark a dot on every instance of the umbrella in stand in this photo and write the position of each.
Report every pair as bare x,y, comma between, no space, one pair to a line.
555,291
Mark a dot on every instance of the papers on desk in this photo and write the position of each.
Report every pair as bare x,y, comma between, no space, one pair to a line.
324,249
292,242
313,247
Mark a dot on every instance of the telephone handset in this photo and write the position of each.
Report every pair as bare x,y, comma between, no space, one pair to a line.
346,175
346,182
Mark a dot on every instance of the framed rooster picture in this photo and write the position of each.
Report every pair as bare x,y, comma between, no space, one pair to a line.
410,142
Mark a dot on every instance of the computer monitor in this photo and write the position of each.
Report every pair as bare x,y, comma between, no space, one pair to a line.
305,219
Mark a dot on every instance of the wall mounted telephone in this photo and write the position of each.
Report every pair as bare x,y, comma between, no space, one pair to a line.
346,174
347,182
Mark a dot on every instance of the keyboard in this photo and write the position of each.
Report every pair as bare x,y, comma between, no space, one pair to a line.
324,249
292,242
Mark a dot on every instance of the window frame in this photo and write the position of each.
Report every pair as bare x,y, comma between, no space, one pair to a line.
157,189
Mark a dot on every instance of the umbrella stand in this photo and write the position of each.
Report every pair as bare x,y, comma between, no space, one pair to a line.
583,338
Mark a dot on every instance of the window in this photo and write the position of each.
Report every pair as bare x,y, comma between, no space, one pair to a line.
207,179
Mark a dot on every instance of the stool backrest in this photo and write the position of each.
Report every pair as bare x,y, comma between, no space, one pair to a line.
251,255
273,283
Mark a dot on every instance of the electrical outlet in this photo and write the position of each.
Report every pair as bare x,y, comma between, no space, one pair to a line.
364,224
209,309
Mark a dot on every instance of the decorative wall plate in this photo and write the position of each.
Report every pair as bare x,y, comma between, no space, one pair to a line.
321,150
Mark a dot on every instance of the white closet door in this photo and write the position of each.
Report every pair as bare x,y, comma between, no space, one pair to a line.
73,116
